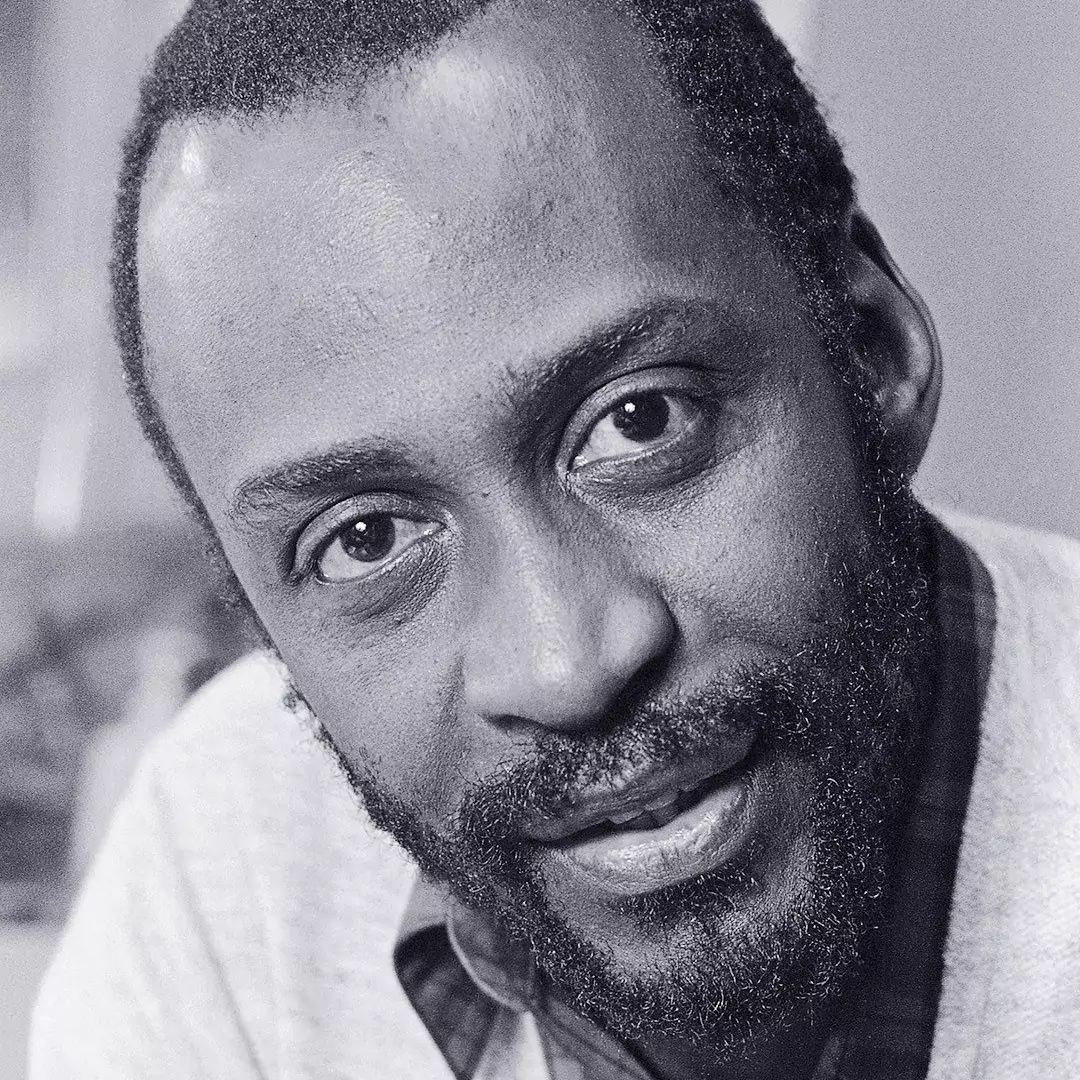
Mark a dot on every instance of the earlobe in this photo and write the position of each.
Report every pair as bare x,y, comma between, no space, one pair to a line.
897,341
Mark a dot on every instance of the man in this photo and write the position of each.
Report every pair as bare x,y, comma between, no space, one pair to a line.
554,406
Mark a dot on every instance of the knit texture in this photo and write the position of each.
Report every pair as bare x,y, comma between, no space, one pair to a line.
1010,1002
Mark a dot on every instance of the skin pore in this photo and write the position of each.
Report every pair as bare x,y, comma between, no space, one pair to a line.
530,462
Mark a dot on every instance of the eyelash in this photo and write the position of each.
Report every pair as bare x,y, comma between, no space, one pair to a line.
317,536
685,383
415,532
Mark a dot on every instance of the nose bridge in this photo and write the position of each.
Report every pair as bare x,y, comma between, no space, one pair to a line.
563,623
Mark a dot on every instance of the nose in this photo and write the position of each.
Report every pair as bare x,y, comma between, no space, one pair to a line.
559,634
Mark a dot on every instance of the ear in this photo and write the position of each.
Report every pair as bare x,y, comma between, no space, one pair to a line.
897,342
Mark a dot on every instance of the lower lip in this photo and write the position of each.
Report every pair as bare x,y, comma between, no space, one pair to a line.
701,838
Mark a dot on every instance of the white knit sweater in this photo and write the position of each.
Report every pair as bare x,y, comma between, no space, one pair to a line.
1010,1003
240,918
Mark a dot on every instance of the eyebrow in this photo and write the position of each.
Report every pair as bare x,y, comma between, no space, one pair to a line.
602,349
528,391
309,478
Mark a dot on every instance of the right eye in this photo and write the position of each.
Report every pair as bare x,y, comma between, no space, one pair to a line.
368,544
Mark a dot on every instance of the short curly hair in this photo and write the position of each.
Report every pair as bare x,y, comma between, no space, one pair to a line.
769,147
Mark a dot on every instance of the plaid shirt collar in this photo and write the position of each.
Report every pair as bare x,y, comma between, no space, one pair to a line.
460,972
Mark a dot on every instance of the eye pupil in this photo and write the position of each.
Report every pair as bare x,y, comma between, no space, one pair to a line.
369,539
643,417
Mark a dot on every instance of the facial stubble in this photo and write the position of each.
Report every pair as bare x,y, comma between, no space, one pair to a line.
845,705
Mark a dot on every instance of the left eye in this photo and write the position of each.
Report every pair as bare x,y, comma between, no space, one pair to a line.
635,425
367,544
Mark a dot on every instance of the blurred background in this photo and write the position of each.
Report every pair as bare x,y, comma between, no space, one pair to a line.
960,118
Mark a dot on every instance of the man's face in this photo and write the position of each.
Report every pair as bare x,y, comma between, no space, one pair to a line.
526,453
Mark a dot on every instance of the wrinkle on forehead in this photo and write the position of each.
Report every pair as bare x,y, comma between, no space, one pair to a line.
529,155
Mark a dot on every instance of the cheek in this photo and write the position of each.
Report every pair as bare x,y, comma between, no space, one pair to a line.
388,701
754,557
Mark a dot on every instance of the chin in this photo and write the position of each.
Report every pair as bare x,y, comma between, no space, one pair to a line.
726,957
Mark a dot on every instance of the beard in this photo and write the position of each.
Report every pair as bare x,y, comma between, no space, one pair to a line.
726,968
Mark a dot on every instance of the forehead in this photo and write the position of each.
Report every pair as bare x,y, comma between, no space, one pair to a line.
528,180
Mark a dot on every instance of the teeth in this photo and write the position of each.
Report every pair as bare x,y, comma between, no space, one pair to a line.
663,809
657,814
661,804
664,816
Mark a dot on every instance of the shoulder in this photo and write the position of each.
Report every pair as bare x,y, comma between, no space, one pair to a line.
263,825
241,899
1035,667
238,718
240,773
1041,565
1012,962
1036,586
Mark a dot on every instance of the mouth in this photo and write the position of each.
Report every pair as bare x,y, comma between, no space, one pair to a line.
648,800
660,812
655,831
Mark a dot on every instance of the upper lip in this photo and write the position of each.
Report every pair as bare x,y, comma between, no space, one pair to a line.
632,793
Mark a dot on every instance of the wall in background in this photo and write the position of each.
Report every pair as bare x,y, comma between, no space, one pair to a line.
962,121
71,459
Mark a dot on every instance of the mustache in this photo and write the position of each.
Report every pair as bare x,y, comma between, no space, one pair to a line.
833,712
645,733
481,849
